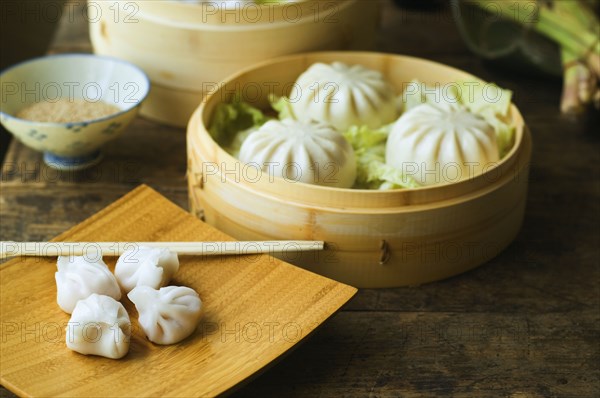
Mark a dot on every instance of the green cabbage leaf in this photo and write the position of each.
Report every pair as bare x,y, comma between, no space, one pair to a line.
372,171
231,122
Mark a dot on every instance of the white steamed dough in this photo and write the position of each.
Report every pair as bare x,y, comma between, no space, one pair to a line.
312,153
99,325
78,278
441,143
344,96
144,266
168,315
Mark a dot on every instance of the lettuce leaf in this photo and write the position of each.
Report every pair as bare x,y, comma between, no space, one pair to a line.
383,177
235,145
372,172
234,118
282,106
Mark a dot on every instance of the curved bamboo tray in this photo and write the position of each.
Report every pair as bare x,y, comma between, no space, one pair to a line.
187,49
376,238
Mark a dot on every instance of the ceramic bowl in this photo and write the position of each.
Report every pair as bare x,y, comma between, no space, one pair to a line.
89,77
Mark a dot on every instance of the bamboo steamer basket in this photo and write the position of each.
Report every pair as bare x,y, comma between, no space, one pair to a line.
187,49
375,238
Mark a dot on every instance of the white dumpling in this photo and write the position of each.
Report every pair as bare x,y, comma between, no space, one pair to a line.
78,278
312,153
99,325
344,96
441,143
146,266
168,315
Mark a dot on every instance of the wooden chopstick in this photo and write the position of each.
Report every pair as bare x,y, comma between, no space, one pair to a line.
50,249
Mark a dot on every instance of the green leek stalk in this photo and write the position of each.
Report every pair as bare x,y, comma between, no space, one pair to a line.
571,102
563,29
580,11
588,85
571,36
579,81
575,28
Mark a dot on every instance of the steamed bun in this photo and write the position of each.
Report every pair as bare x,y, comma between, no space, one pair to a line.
440,143
344,96
312,153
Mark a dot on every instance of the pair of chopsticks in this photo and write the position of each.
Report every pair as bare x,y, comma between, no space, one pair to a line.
51,249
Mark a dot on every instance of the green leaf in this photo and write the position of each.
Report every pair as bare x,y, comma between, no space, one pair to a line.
372,172
282,106
384,177
230,119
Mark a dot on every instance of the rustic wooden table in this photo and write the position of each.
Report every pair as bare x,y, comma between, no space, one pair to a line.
524,325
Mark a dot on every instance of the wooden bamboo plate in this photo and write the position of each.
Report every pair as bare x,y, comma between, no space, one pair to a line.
255,309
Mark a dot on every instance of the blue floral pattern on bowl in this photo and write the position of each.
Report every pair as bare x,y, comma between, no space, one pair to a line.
77,127
112,128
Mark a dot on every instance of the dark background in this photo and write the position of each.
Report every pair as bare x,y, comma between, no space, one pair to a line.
23,37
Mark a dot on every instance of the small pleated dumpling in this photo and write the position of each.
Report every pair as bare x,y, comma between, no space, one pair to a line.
344,96
168,315
99,325
145,266
77,278
308,152
441,143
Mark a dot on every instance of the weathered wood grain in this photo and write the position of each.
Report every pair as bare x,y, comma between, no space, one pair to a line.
38,202
255,308
416,354
527,324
